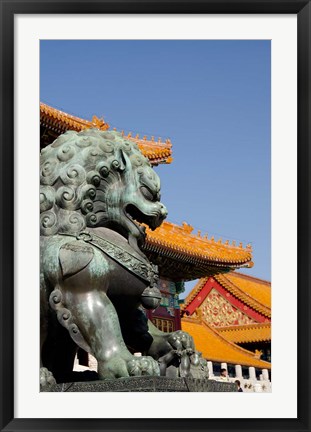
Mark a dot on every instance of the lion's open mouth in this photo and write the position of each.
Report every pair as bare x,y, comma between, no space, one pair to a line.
135,215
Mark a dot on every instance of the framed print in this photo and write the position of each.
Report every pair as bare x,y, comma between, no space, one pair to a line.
47,45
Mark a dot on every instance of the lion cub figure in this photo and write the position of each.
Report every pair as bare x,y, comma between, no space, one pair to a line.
97,192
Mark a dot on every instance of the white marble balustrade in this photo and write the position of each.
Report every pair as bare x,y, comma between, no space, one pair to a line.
249,384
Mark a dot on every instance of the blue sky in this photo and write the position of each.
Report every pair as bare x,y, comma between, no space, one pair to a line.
211,98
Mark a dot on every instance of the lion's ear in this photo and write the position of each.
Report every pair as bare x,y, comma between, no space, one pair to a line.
74,257
125,162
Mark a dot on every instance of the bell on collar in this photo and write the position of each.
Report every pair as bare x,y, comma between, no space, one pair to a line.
151,298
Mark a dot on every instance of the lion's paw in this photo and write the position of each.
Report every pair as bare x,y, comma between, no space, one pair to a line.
139,366
47,381
180,340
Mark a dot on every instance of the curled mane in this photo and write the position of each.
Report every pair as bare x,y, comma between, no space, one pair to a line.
76,171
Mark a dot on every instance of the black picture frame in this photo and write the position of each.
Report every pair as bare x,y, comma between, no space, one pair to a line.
8,9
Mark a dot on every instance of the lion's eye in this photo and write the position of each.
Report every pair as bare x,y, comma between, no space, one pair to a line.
146,192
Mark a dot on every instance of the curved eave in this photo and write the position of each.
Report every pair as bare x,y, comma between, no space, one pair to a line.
174,251
195,250
59,122
215,347
179,258
249,333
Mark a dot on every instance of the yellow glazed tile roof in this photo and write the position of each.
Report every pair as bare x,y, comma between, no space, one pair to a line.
260,332
257,288
254,292
61,120
215,347
152,149
181,239
156,151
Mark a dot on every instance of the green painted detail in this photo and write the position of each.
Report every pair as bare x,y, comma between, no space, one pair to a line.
180,287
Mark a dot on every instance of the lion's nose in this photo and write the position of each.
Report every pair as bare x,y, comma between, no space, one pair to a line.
163,211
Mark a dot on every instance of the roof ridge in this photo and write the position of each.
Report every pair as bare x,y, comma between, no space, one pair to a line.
136,138
243,326
247,298
252,278
190,230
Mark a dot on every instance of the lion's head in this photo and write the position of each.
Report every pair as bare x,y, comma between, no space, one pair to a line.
97,179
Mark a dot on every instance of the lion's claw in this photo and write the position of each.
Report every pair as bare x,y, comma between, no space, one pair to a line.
138,366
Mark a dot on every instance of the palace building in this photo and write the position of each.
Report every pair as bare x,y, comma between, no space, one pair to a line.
227,313
229,317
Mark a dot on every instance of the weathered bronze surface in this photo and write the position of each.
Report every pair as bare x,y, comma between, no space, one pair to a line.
96,191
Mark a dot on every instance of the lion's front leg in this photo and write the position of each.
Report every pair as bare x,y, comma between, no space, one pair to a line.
83,308
97,320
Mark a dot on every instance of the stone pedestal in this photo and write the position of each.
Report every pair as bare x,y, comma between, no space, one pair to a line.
147,384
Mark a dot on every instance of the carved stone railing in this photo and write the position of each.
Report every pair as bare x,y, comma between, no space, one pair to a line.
249,383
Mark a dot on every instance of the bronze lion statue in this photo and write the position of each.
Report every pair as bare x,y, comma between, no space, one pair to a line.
96,192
